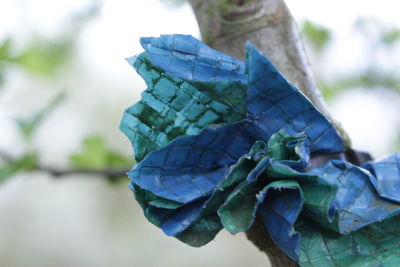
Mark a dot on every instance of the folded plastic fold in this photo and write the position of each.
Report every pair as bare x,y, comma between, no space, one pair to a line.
219,141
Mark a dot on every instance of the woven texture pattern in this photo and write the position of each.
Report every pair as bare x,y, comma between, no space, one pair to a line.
171,107
218,141
186,57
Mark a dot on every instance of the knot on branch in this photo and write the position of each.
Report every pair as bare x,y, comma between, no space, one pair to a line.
239,10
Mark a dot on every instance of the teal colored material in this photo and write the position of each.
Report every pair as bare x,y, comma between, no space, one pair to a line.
218,141
375,245
171,107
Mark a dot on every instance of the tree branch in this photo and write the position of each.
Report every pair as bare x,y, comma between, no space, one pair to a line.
110,173
58,172
226,25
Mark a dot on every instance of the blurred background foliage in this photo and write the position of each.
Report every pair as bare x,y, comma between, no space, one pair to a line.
61,97
42,55
95,155
380,70
381,40
47,58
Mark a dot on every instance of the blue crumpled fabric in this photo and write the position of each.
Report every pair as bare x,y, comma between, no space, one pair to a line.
219,141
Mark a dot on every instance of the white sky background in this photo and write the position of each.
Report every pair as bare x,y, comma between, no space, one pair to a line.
66,219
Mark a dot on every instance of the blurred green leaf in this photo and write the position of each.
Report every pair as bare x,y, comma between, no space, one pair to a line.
28,126
5,50
44,57
117,160
330,90
369,80
95,155
26,162
41,57
5,54
391,36
317,35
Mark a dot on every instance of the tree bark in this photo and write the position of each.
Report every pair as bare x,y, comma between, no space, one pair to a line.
226,25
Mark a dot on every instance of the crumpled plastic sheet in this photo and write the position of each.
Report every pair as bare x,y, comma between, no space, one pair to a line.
218,141
171,107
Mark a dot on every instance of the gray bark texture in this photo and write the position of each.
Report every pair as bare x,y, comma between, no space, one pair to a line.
226,25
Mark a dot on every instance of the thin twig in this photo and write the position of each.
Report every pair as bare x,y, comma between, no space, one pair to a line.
58,172
109,172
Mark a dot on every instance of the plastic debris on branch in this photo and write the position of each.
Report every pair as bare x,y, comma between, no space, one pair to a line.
218,141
